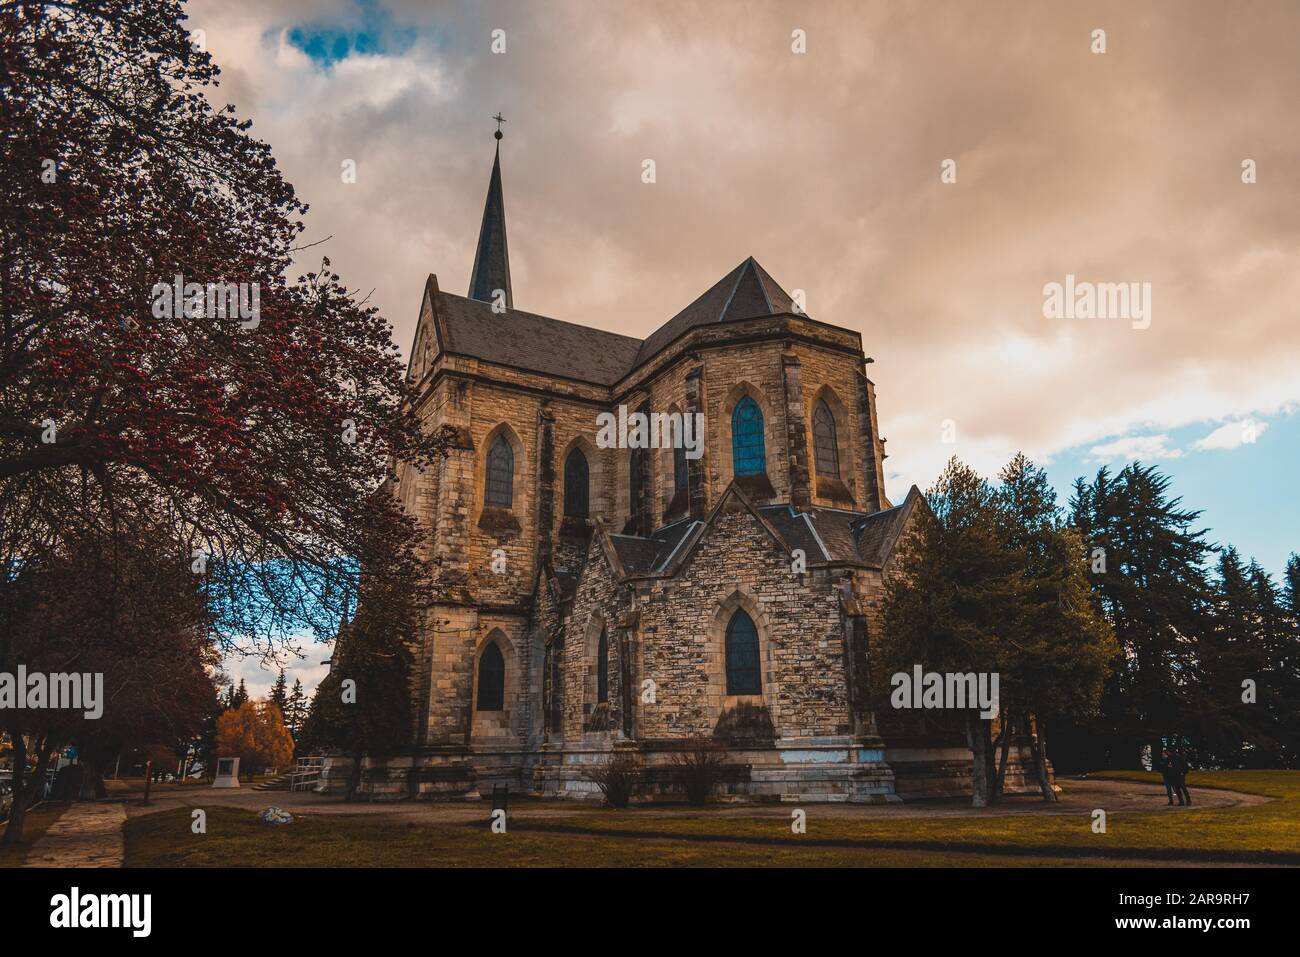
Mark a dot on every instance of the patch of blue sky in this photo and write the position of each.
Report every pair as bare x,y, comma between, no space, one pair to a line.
1246,491
367,29
265,603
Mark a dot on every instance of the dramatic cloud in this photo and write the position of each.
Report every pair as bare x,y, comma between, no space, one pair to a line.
1121,167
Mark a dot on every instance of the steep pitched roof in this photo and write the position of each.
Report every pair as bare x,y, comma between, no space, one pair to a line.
797,529
824,535
672,562
637,554
492,257
641,554
747,292
530,341
877,534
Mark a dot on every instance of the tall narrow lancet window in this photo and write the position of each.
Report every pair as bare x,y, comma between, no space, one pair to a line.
679,468
826,450
747,451
491,679
602,668
499,487
576,485
742,655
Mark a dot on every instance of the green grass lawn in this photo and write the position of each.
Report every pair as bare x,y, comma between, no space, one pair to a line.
1263,833
1268,833
34,826
236,839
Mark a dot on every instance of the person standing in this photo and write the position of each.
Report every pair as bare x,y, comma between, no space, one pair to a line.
1179,765
1167,775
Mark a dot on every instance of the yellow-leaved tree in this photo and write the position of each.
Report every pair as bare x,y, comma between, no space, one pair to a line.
255,733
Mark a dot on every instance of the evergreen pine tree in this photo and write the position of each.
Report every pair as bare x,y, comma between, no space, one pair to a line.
296,713
1279,691
1155,593
1229,731
280,695
1057,647
954,590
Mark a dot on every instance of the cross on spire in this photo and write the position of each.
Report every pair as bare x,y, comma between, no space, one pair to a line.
500,119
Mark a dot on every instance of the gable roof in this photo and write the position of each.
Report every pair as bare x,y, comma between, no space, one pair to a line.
830,536
877,534
824,534
529,341
642,554
466,325
747,292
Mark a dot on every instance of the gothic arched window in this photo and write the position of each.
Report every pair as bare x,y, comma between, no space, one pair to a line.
602,668
679,469
499,486
491,679
826,450
747,452
742,655
576,485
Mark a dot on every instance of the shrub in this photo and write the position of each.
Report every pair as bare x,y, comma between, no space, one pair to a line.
699,768
618,779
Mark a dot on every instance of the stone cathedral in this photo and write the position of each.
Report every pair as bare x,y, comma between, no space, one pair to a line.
593,600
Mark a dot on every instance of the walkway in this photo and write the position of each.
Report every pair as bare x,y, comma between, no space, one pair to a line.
87,834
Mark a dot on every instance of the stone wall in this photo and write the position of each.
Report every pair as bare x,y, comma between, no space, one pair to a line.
681,638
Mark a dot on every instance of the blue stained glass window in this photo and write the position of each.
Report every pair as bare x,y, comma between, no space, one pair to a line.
748,454
742,655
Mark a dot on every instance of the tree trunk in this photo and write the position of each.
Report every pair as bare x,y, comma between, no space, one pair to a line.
92,780
1038,744
976,738
354,778
1000,784
990,760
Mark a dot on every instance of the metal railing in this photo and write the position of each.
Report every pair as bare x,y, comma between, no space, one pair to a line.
306,774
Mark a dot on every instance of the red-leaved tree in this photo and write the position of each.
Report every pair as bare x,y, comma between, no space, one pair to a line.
261,440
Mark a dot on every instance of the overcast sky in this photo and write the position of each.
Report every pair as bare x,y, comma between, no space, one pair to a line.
1124,166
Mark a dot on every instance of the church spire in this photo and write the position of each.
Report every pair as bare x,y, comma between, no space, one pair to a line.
492,259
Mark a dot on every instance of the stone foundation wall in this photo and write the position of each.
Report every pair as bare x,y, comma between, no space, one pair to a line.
813,772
